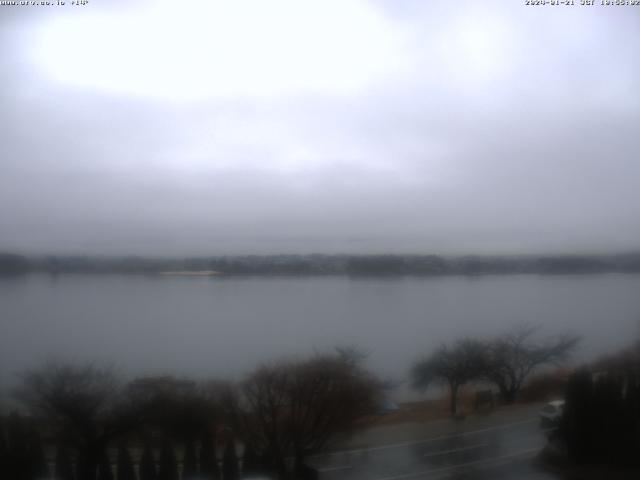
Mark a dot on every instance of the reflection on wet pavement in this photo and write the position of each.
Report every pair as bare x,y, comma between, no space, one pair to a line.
500,452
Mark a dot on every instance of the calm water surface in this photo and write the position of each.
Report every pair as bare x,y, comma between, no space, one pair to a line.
225,326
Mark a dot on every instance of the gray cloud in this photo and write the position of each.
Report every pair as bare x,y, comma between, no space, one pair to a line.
502,129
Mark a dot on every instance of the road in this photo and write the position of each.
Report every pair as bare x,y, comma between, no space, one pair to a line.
490,448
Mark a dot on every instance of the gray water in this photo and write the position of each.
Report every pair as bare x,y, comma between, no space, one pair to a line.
223,327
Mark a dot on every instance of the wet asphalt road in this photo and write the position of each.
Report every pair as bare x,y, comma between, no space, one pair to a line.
504,451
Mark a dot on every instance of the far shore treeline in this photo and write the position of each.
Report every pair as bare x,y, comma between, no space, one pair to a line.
318,264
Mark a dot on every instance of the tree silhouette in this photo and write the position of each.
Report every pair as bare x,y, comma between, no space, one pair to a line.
17,448
63,468
168,466
125,464
82,402
511,358
230,462
180,407
208,467
37,461
452,365
251,464
189,461
21,452
601,419
147,464
104,467
4,449
295,408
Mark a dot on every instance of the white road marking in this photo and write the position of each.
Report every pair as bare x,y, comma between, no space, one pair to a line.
426,440
461,465
455,450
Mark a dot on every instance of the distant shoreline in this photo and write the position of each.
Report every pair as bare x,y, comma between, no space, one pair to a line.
322,265
190,273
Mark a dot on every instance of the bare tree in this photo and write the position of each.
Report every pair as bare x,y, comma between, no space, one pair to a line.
124,462
511,358
82,403
21,452
295,408
453,366
182,408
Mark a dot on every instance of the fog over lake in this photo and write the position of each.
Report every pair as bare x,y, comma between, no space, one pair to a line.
359,127
223,327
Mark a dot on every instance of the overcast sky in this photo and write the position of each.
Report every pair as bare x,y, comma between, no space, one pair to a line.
292,126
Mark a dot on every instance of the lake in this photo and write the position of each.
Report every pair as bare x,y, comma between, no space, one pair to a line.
222,327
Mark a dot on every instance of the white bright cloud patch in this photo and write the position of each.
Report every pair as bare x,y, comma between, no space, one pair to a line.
217,48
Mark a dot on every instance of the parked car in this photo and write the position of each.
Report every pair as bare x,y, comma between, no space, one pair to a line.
551,413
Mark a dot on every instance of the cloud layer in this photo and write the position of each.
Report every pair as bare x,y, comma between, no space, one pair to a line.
334,127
